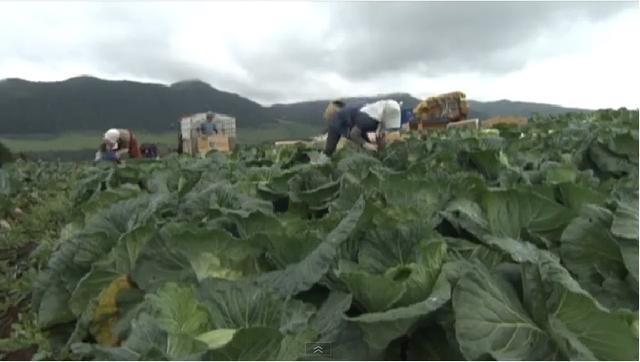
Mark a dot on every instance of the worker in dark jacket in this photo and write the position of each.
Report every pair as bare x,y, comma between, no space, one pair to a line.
349,122
355,123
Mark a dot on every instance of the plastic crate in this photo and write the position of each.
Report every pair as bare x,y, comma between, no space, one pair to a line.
226,125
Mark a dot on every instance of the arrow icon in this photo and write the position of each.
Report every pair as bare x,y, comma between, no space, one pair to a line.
319,349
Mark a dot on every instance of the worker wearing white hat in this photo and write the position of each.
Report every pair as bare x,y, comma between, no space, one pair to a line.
386,112
119,142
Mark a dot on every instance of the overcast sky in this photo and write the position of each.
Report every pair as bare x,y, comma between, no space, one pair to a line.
581,54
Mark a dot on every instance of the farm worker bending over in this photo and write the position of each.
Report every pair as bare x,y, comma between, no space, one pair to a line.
349,122
208,128
355,123
121,142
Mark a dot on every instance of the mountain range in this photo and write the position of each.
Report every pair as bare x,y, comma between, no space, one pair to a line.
88,104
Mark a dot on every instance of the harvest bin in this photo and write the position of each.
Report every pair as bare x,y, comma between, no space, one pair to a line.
436,112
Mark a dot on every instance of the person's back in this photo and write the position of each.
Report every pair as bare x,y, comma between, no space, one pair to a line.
386,111
342,123
357,122
344,118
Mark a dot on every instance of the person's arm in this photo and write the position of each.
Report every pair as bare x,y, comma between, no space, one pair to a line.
101,150
355,135
332,141
380,132
380,140
380,128
364,124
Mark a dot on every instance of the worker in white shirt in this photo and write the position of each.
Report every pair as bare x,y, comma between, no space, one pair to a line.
357,122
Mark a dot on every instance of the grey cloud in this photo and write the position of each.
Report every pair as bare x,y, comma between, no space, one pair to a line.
290,56
140,47
449,37
365,41
295,88
368,40
134,43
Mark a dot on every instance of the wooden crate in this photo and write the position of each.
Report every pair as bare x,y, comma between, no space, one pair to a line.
217,142
222,143
467,123
203,145
518,120
419,125
392,136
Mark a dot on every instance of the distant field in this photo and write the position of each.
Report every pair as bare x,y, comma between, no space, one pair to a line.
72,141
89,140
285,131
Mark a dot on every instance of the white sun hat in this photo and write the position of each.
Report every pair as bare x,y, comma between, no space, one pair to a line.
391,117
112,136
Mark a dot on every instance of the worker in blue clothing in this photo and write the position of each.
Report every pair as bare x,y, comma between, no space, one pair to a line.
407,116
107,155
208,128
356,122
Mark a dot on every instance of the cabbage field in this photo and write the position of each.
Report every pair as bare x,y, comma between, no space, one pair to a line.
519,243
